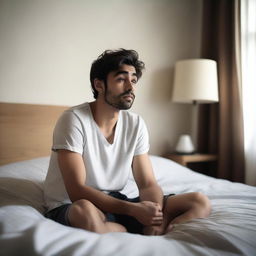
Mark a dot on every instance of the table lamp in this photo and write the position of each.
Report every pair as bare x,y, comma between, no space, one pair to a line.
195,81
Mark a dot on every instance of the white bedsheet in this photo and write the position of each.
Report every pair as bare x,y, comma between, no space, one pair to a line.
229,230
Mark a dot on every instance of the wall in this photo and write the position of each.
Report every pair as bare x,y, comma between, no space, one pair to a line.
47,47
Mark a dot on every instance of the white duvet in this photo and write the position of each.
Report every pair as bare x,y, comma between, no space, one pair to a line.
229,230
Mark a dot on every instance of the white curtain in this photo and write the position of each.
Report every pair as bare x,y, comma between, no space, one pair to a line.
248,54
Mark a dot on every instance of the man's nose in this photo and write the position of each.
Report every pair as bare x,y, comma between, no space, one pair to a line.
129,86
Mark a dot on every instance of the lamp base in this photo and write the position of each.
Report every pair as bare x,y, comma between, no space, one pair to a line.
185,145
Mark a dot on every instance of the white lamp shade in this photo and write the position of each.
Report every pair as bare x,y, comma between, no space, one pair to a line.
195,80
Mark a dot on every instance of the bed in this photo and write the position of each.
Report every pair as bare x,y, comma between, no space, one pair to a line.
229,230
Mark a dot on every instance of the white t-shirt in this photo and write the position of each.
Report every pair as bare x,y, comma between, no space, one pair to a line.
107,165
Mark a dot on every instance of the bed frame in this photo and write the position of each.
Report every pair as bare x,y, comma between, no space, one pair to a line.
26,130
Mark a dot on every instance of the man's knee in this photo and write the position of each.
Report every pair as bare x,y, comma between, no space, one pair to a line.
83,204
84,214
81,209
202,202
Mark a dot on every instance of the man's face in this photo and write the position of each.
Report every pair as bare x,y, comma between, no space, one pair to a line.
119,90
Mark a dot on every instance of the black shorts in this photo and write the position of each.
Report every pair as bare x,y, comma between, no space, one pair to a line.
60,214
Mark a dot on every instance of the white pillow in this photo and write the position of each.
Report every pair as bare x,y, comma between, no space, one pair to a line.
21,183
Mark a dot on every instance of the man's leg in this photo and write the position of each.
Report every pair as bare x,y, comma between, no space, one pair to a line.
182,208
179,209
83,214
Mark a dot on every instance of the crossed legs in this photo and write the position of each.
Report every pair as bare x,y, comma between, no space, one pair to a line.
178,209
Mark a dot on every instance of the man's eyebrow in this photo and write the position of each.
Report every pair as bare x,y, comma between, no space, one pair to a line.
124,72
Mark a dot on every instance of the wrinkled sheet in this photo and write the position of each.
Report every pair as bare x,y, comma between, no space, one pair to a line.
229,230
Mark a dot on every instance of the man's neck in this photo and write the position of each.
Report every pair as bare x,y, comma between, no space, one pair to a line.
104,115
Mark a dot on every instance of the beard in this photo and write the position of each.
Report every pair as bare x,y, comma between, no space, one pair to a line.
119,101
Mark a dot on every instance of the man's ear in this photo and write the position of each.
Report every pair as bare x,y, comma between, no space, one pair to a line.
99,85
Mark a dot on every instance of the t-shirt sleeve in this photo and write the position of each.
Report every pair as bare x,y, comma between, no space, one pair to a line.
142,145
68,133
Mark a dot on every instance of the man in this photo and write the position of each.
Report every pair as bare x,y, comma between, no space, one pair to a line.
95,145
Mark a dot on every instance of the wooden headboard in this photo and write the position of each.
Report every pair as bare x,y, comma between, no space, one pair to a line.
26,130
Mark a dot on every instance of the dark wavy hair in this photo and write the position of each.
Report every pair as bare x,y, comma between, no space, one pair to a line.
111,60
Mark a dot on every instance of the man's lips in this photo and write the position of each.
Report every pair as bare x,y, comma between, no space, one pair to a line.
129,95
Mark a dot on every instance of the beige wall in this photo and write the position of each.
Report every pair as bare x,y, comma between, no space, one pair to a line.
47,47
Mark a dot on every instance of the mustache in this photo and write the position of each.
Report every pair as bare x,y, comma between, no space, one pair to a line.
128,93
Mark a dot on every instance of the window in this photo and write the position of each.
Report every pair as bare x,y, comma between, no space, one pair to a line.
248,54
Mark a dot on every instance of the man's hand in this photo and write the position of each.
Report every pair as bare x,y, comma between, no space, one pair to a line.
148,213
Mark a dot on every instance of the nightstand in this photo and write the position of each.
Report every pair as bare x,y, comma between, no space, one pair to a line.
193,161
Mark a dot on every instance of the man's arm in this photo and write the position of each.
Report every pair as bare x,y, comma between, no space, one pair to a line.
149,189
74,175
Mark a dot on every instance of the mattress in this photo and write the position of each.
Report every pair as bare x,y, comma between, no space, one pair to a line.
229,230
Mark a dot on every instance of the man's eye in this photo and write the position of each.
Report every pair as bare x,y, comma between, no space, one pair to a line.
134,81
